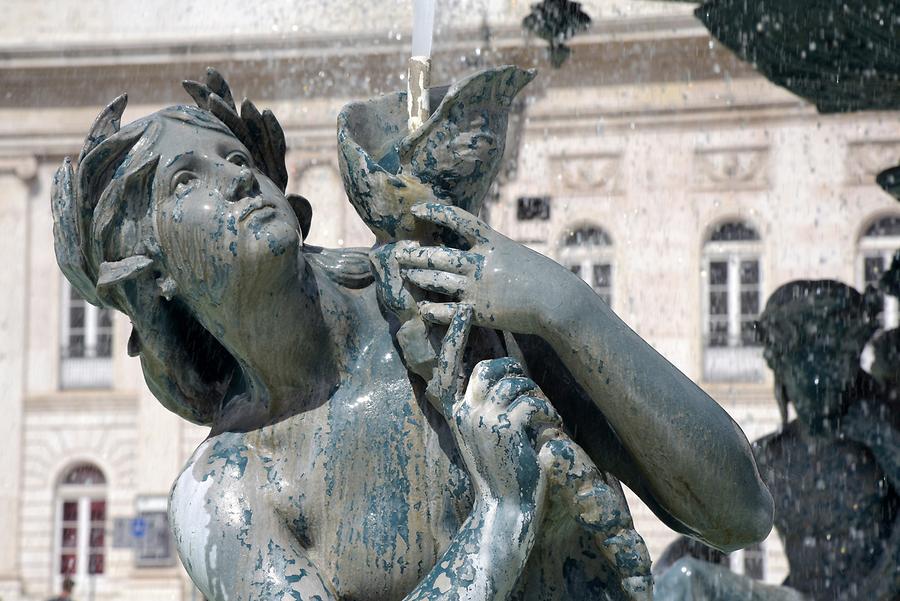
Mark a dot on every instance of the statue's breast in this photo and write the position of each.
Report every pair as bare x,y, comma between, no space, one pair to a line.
370,484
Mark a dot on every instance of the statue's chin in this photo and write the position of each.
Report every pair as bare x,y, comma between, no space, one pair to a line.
266,238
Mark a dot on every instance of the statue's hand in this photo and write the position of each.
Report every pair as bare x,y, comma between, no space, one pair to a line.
596,501
500,424
517,455
509,286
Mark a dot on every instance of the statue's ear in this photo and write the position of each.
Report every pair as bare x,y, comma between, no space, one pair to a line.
303,210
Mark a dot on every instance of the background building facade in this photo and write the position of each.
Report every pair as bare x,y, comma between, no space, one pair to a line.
677,183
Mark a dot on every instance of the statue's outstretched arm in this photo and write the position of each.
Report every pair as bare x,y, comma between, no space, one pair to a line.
679,449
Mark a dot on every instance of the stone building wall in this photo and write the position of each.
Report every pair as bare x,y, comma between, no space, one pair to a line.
651,132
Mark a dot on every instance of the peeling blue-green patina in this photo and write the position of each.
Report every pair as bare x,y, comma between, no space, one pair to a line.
370,438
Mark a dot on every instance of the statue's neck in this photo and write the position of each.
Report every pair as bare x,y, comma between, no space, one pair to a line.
293,346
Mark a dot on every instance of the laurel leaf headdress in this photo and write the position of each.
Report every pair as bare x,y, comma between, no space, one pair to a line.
89,202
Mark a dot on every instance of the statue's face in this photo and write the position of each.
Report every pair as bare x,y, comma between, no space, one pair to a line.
815,372
225,227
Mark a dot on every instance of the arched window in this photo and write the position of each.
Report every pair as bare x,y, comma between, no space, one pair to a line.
587,252
732,301
80,542
876,247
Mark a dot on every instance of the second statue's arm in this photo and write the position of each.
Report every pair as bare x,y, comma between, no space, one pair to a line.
882,583
499,426
679,449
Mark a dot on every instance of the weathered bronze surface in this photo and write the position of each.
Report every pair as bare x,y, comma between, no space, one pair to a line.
443,416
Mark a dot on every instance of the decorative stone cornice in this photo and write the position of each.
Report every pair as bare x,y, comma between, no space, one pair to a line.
147,51
353,65
731,168
23,167
867,158
83,401
591,174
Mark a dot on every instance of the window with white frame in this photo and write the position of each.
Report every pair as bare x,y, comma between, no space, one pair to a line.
86,338
732,301
587,252
877,246
80,534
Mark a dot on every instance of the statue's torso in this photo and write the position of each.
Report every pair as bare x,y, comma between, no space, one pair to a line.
368,482
833,508
372,484
368,486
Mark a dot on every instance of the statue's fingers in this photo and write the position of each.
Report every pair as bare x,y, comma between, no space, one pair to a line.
627,551
443,387
536,414
638,588
440,258
576,475
442,313
453,218
486,374
439,313
393,291
600,507
510,388
441,282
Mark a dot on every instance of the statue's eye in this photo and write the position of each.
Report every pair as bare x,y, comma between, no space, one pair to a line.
238,158
182,179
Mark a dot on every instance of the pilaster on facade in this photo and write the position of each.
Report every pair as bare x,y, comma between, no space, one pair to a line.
16,174
24,167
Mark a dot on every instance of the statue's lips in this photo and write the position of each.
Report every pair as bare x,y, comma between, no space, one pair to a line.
254,205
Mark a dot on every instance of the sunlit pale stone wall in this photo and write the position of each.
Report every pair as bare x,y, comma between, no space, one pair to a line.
636,135
89,20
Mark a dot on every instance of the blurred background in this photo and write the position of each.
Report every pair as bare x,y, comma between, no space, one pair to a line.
669,175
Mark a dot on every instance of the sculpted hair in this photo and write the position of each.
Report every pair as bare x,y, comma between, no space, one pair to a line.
799,303
106,243
103,213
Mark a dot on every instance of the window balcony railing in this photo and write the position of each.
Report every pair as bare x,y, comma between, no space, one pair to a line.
733,363
81,368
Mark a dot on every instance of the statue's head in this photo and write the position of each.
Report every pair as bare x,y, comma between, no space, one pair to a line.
171,218
814,332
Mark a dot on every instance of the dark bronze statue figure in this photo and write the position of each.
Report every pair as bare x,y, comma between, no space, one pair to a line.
834,470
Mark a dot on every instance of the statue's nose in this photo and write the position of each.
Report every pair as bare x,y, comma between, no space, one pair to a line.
242,186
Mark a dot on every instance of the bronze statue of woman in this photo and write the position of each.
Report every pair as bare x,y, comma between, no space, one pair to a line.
343,461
